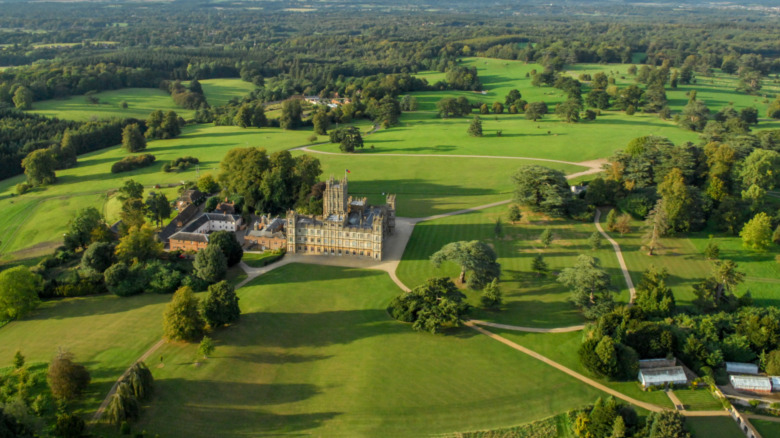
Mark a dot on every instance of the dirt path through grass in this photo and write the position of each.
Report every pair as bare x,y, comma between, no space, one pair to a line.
619,254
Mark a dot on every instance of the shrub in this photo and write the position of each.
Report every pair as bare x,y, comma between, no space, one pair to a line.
132,162
67,379
180,164
23,188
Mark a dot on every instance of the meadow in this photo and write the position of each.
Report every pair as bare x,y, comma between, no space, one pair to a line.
221,91
683,258
316,353
698,400
766,428
706,427
140,103
528,300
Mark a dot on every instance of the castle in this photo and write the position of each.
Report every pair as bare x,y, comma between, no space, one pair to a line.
347,226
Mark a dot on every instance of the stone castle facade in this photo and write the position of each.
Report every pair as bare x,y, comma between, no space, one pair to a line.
348,226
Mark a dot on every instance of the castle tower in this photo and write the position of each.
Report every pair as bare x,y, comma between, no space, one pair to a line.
335,198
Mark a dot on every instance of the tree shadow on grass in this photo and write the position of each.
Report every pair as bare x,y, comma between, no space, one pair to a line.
104,304
273,358
292,330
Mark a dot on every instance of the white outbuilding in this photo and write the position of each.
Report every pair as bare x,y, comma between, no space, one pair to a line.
751,383
662,376
741,368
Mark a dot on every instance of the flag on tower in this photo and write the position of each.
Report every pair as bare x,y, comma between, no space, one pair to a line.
347,170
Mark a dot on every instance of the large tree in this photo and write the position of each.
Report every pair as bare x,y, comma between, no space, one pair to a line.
97,257
543,189
139,244
210,264
656,225
680,202
757,233
132,139
66,378
80,228
291,114
158,208
760,168
23,98
182,320
475,127
221,305
431,306
590,284
228,243
653,295
39,166
18,292
473,257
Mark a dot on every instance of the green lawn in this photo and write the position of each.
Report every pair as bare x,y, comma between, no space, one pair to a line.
140,103
683,258
105,333
315,353
766,428
221,91
529,300
562,348
709,427
426,133
257,260
698,400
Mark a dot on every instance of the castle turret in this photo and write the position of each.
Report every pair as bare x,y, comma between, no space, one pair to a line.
335,198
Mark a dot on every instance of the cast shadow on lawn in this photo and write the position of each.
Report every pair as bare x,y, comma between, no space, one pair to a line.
76,307
241,421
273,358
292,330
335,273
237,393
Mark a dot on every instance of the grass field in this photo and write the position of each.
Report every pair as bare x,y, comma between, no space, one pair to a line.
562,348
315,353
529,300
709,427
766,428
698,400
221,91
105,333
426,133
257,260
683,259
140,103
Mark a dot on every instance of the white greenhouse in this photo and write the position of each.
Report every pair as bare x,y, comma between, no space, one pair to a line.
741,368
662,376
751,383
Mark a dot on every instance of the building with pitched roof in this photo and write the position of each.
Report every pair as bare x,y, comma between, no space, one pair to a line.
195,235
348,226
267,233
662,376
751,383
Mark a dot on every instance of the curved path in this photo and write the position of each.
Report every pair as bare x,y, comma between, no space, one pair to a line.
619,254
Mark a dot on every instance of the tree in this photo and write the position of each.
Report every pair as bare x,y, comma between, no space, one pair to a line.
715,292
259,119
243,118
321,122
80,228
773,363
39,166
535,110
351,139
227,242
484,109
498,228
431,306
760,169
140,381
569,111
123,406
655,227
133,214
18,360
711,251
157,207
139,244
97,257
66,378
19,289
498,108
170,125
491,296
132,139
221,305
515,215
475,127
588,281
623,224
210,264
206,347
207,184
595,241
694,115
679,202
666,424
473,257
538,265
512,96
653,296
182,320
757,233
130,190
612,220
546,237
291,114
23,98
543,189
69,425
